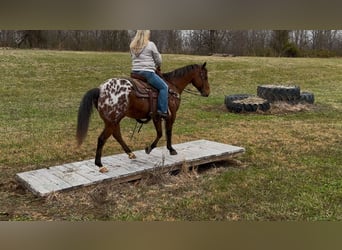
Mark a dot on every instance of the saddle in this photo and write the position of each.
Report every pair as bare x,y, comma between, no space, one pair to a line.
145,90
142,88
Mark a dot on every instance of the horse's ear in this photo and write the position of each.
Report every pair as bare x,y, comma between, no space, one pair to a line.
204,64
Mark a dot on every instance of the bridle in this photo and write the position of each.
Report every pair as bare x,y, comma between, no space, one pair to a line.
192,92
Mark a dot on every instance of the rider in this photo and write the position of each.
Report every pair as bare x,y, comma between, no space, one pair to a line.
145,60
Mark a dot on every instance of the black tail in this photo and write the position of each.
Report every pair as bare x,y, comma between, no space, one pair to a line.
84,113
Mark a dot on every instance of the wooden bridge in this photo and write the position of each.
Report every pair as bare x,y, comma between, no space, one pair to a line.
44,181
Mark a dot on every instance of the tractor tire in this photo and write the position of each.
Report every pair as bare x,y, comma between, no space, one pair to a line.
274,93
240,103
307,97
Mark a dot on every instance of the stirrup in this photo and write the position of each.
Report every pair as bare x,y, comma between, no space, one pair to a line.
162,115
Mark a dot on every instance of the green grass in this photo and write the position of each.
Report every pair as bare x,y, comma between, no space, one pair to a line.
291,169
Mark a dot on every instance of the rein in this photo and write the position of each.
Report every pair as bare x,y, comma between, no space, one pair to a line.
140,126
192,92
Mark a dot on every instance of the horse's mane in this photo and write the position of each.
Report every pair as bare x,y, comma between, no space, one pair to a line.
179,72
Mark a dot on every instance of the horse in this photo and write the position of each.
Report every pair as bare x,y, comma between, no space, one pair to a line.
117,98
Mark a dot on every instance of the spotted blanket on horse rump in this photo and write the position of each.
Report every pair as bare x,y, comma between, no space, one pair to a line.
113,97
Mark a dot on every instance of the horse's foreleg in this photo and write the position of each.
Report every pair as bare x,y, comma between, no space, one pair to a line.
158,126
118,137
168,128
100,143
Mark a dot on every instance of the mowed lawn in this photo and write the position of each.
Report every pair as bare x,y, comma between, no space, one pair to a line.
292,168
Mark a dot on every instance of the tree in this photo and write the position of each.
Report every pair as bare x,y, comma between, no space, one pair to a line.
204,41
258,42
280,38
281,44
113,40
7,38
31,38
167,41
301,39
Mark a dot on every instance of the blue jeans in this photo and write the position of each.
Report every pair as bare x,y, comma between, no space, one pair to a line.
157,82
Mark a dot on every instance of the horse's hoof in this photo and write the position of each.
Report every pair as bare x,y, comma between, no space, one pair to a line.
131,156
148,150
173,152
103,170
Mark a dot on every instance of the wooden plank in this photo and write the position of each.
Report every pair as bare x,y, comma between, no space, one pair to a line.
91,173
32,182
67,176
41,182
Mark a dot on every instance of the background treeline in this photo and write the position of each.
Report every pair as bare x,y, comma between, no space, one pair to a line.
289,43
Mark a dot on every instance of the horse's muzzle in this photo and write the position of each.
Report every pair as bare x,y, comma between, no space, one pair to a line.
204,94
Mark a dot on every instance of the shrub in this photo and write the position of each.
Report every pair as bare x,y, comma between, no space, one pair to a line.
291,50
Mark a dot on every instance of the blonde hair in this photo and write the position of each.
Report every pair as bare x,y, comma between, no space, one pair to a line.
139,41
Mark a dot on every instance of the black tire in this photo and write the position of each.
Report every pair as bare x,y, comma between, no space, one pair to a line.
307,97
245,103
274,93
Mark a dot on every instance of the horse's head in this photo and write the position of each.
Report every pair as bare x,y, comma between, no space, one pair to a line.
200,80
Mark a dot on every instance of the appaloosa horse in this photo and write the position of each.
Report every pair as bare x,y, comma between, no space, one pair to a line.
119,97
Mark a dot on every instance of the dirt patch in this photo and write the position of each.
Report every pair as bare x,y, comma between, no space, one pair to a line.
284,108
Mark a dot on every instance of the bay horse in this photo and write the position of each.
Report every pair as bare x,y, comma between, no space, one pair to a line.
117,98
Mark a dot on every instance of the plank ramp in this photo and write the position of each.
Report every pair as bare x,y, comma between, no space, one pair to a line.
43,182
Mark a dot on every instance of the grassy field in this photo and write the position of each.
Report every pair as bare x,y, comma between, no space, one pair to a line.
292,168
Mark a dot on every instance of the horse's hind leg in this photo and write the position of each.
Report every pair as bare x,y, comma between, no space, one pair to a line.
106,133
158,126
118,137
108,130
